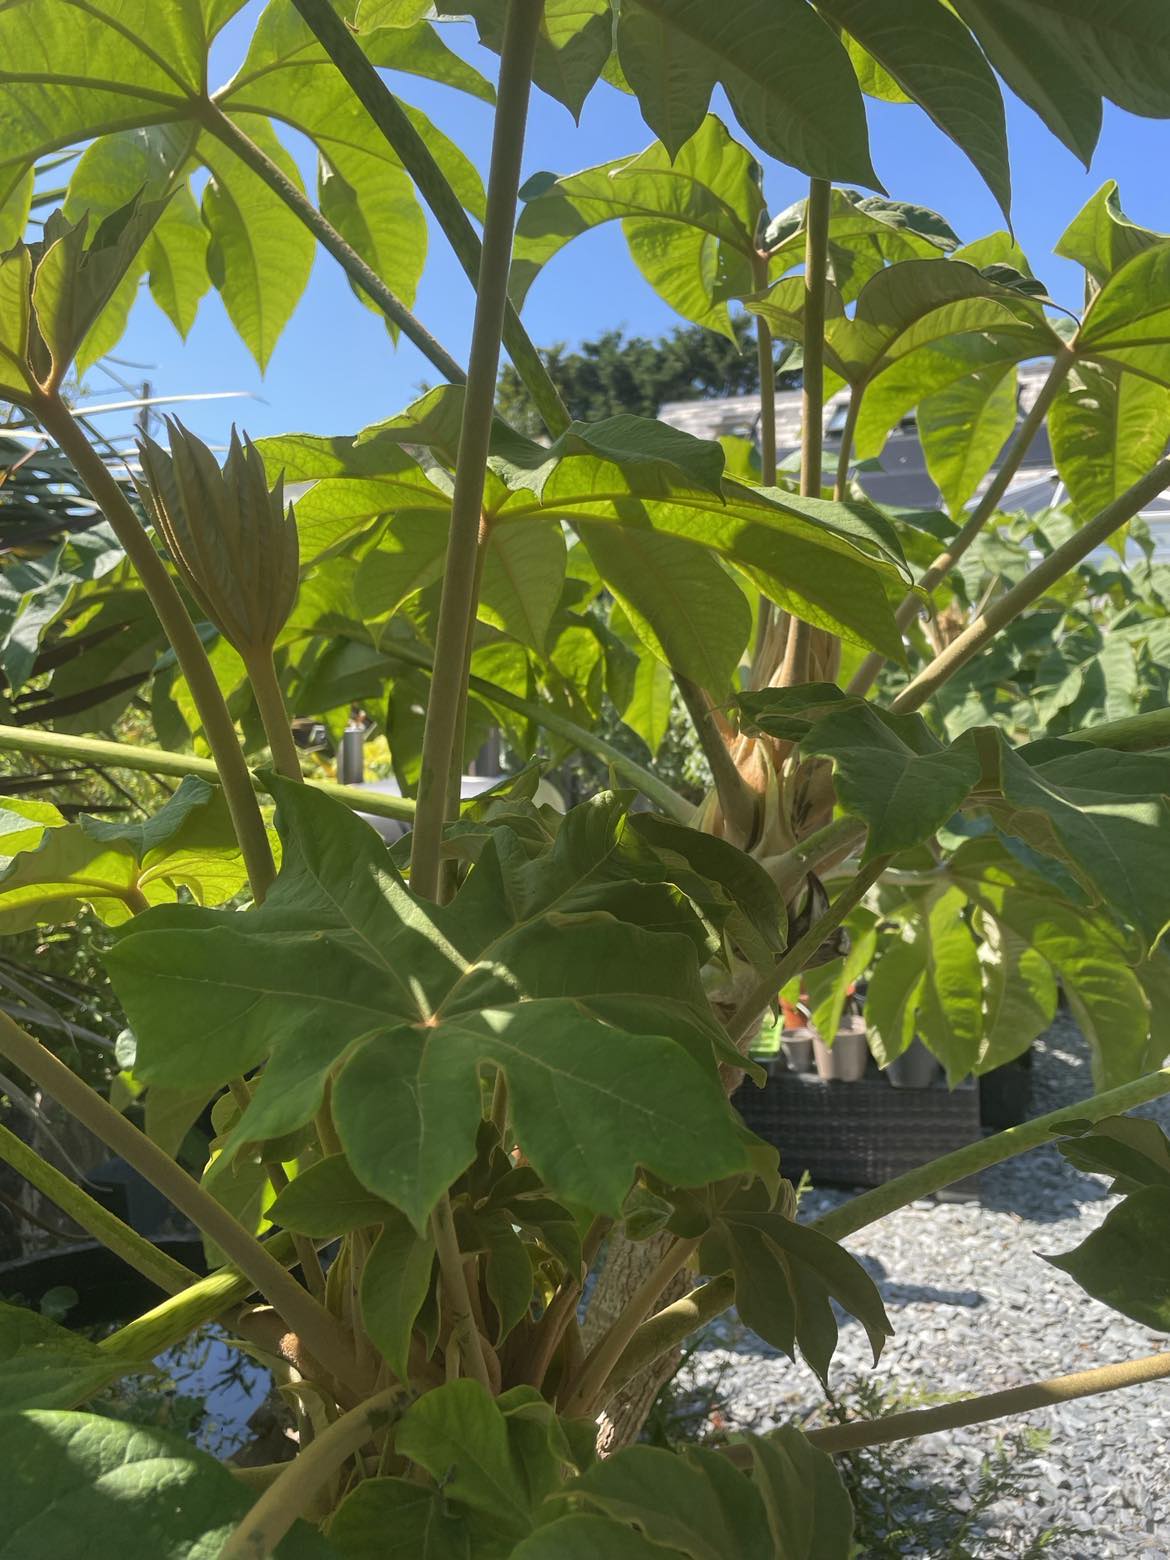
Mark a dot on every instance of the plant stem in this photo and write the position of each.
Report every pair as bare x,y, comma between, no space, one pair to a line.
670,1326
584,1395
318,1329
449,868
384,109
458,1294
225,129
218,727
1046,573
767,371
291,1493
704,1303
549,1330
795,669
171,1320
852,412
261,669
499,1110
156,761
991,1406
797,956
866,674
442,733
861,1211
103,1225
735,796
767,367
812,395
837,838
647,782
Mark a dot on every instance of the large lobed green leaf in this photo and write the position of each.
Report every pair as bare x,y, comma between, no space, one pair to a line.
114,867
787,76
43,1365
836,564
136,100
933,59
1126,1262
690,221
1108,428
119,1485
905,307
786,1276
549,969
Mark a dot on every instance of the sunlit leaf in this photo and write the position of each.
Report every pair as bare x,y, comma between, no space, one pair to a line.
1108,427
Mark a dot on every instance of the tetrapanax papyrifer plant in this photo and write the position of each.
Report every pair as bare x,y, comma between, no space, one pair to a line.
452,1079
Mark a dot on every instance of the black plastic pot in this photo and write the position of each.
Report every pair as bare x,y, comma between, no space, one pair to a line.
108,1290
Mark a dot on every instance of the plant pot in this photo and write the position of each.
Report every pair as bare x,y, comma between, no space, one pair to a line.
796,1047
916,1068
845,1060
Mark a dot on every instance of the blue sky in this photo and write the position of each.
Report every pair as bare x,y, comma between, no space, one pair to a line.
335,369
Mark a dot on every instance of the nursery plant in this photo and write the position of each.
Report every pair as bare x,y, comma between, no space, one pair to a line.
452,1080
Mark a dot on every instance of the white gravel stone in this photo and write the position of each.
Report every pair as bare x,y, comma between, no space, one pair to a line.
976,1309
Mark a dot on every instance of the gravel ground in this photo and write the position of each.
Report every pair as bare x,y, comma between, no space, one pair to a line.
975,1310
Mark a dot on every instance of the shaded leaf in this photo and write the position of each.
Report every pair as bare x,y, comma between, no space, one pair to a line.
932,57
459,1435
43,1365
682,603
892,772
787,76
689,222
1131,1149
964,427
395,1280
586,1537
572,45
397,1519
327,1200
809,1512
1126,1262
72,1473
1040,67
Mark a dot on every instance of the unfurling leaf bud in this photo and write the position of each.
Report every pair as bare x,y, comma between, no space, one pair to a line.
229,534
52,292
